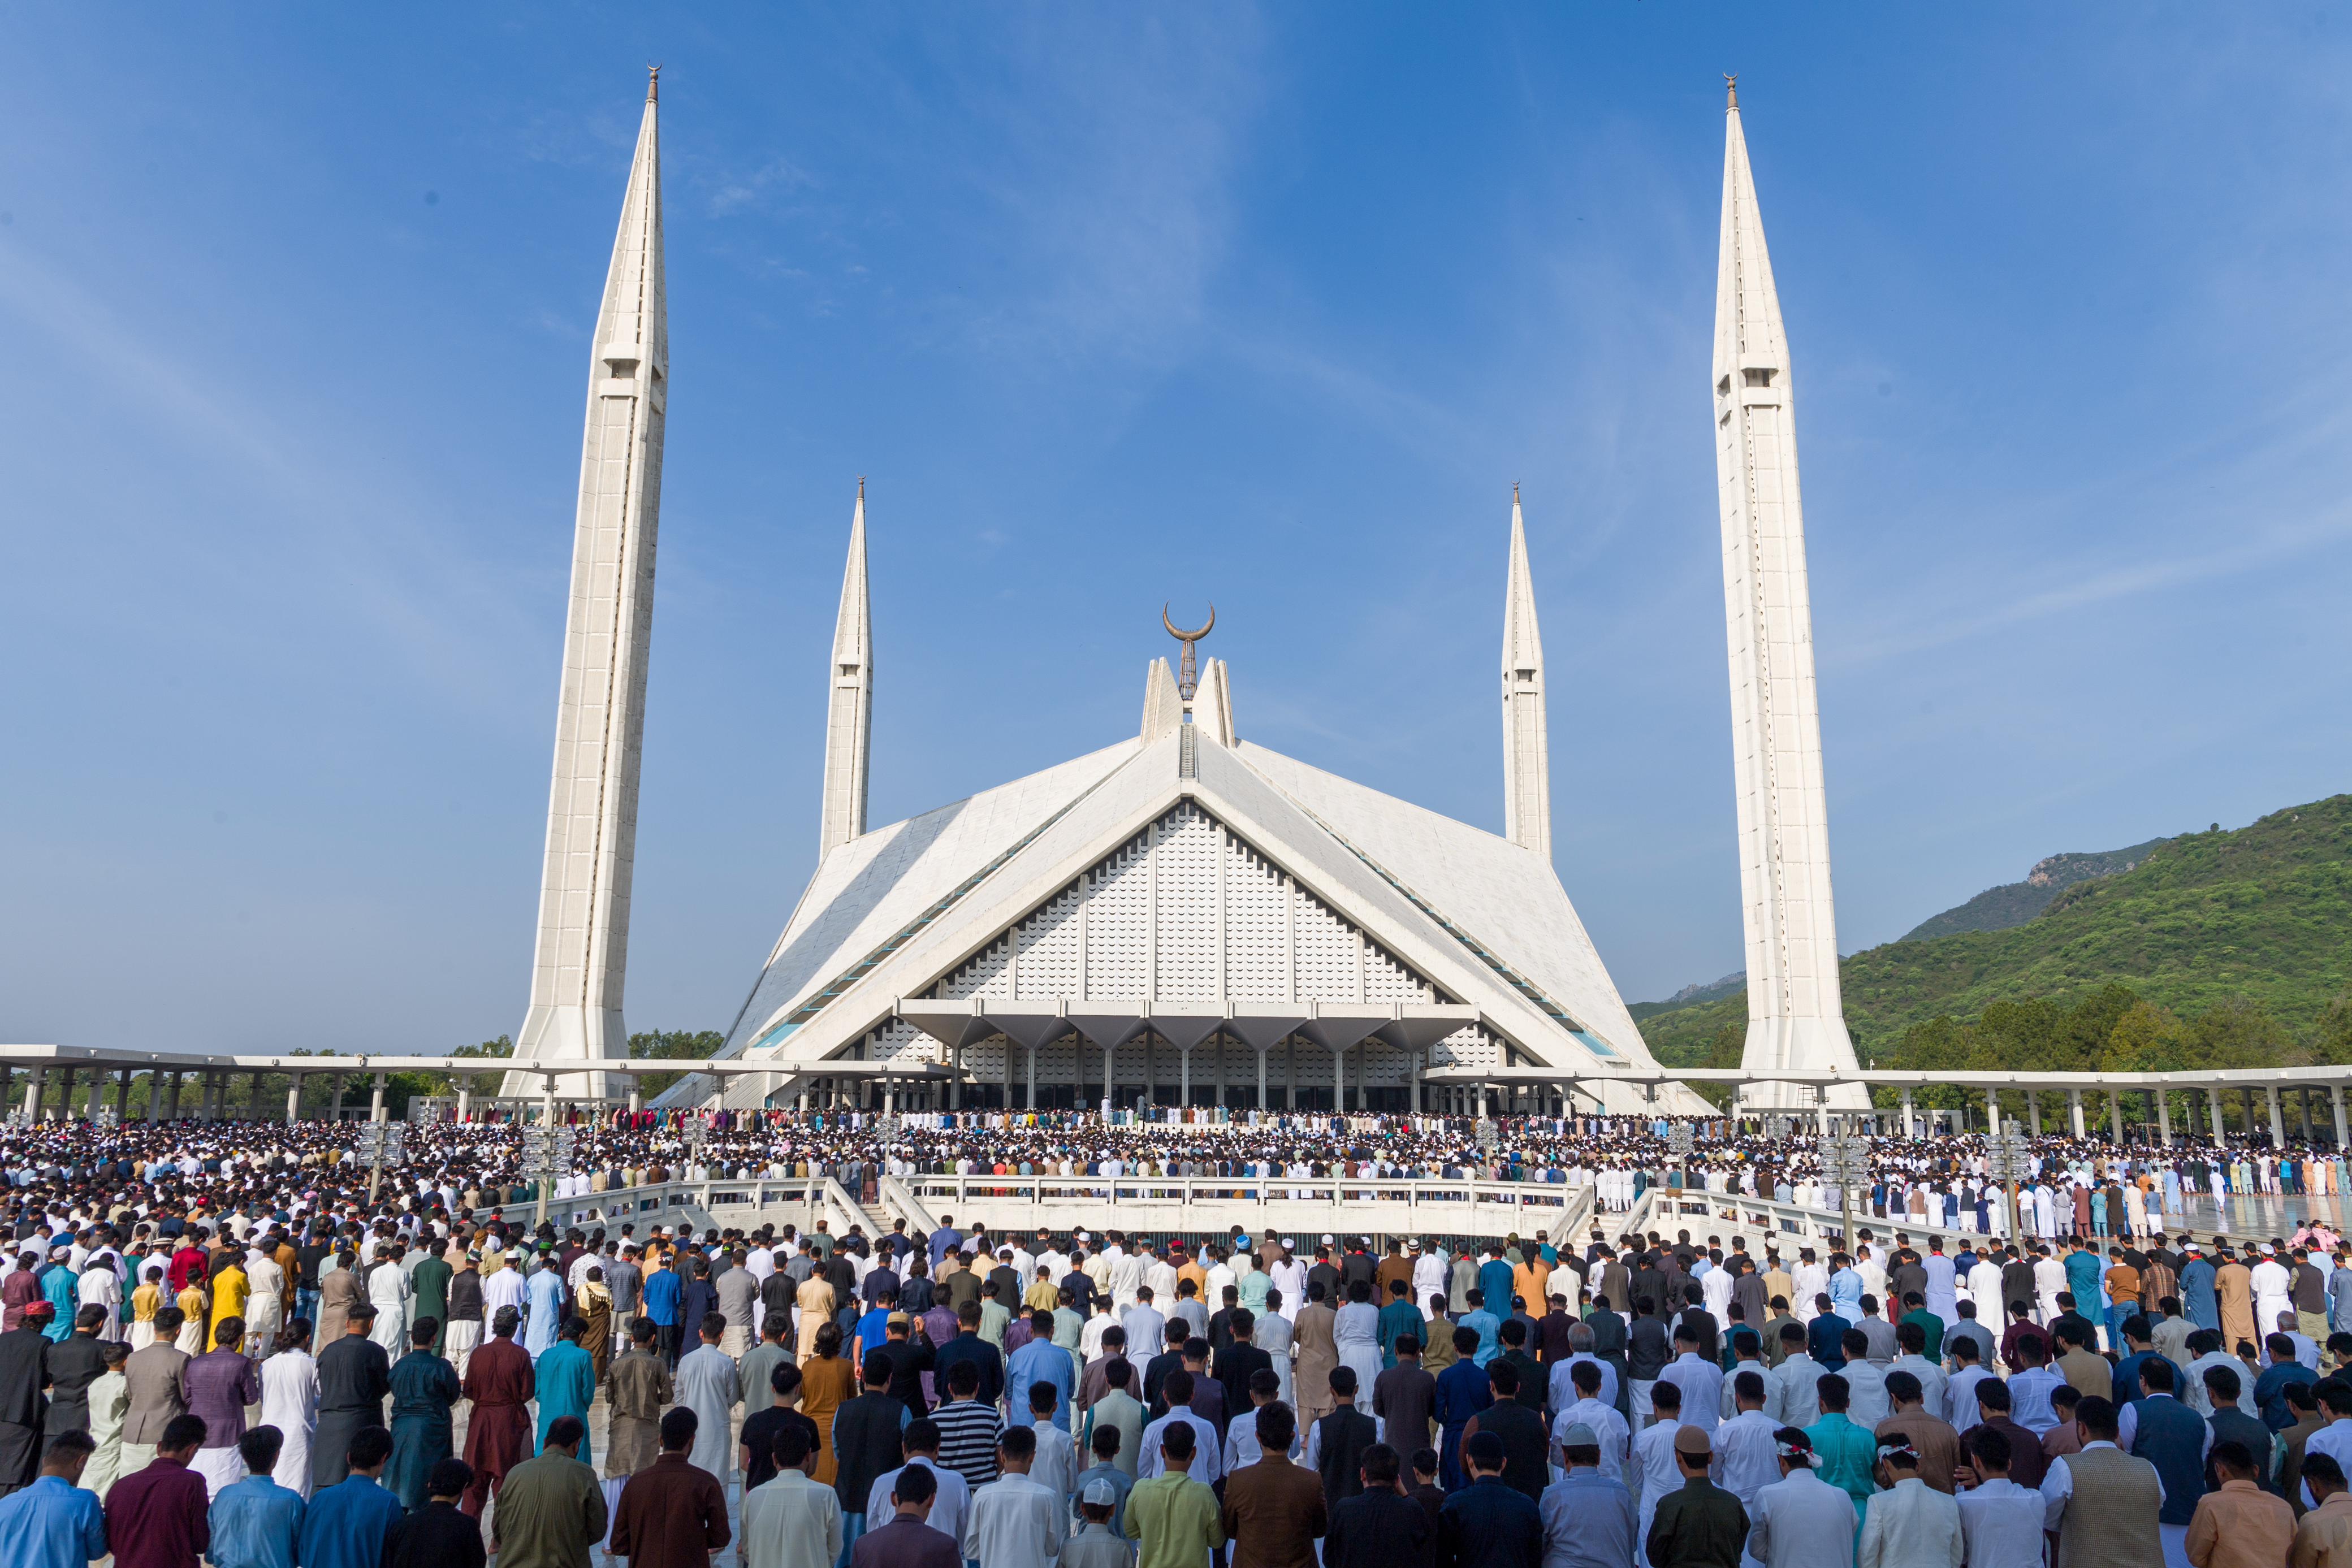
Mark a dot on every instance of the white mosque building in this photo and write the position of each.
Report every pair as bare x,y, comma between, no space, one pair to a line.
1182,915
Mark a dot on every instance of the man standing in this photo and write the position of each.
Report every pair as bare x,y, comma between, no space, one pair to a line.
54,1523
151,1383
671,1515
499,1385
219,1386
1698,1522
442,1535
155,1516
354,1374
1274,1509
910,1540
1176,1518
637,1390
550,1511
1488,1523
1909,1522
346,1525
708,1383
1801,1521
790,1521
74,1364
1588,1516
423,1390
1379,1527
564,1378
2101,1502
255,1522
1015,1522
867,1443
23,1373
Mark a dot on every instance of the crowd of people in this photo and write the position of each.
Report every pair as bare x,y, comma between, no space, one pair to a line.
224,1341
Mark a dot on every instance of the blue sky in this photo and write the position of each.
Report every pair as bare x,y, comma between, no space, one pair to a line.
1115,306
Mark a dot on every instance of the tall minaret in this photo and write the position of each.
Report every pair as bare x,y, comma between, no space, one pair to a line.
1527,755
1795,1017
592,809
849,713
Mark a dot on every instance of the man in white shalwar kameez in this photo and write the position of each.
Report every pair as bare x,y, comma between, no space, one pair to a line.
290,1402
709,1385
1801,1521
387,1291
264,1306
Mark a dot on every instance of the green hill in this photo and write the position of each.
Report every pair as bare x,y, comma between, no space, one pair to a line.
2015,903
2228,947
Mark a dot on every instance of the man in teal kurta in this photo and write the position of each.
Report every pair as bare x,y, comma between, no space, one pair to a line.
1849,1453
423,1388
566,1376
1399,1318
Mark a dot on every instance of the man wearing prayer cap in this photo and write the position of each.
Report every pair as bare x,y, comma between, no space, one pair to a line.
1701,1523
1801,1521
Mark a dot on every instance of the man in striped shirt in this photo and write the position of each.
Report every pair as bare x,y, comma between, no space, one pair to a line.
967,1429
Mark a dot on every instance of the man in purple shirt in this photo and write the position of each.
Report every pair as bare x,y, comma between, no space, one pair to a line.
218,1388
155,1516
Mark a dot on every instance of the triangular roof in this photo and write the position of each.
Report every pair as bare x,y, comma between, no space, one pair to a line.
891,916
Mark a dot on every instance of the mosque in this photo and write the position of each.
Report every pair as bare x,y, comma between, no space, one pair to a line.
1183,916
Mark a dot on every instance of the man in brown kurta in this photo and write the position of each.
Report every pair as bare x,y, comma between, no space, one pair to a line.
1317,1357
2233,1288
497,1431
671,1515
639,1390
1274,1509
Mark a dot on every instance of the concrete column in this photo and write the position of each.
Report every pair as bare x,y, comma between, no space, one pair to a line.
34,1082
955,1080
466,1095
65,1096
2343,1136
1033,1078
2033,1111
1110,1076
257,1096
121,1096
1338,1082
1184,1079
2278,1122
637,1095
2213,1111
1822,1108
96,1095
2074,1110
2302,1108
1217,1044
375,1099
7,1084
1909,1129
1261,1079
335,1105
2250,1114
172,1112
293,1098
1992,1111
2116,1114
1290,1074
2164,1118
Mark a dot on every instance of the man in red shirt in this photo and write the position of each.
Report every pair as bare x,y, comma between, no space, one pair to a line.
155,1517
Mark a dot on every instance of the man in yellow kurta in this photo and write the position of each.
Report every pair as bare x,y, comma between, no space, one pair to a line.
230,1289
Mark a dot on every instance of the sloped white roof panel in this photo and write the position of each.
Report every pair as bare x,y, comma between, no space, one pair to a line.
1507,897
870,888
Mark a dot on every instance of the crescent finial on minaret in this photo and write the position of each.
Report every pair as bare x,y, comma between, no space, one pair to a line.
1731,91
653,83
1188,677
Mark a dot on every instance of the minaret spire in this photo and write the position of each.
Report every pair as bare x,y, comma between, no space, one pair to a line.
1795,1010
849,710
592,814
1526,752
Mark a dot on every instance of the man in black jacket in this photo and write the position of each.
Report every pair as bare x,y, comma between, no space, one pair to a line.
866,1440
1379,1527
1527,1448
1336,1444
1489,1523
1238,1359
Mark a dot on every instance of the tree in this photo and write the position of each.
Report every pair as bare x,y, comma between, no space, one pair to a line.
673,1045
